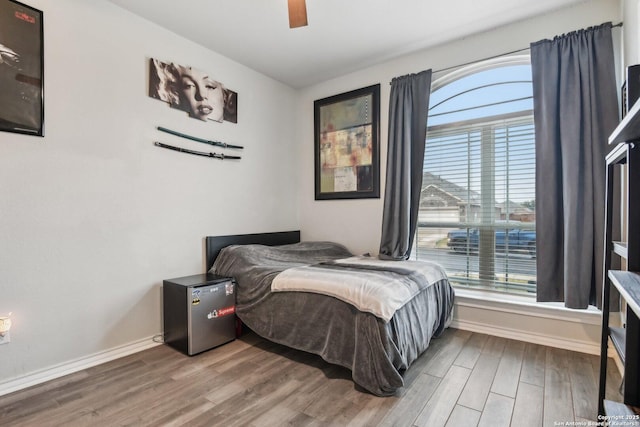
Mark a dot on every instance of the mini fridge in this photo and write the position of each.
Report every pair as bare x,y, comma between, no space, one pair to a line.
199,312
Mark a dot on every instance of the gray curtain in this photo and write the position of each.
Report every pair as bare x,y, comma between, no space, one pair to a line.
408,104
575,110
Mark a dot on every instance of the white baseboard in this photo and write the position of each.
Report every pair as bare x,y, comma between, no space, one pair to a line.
523,319
588,347
76,365
535,338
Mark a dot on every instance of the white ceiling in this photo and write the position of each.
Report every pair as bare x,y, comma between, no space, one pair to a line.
342,35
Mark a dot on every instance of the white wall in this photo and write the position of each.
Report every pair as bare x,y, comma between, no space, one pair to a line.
357,223
93,216
631,29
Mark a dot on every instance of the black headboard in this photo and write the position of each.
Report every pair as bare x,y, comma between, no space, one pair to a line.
213,244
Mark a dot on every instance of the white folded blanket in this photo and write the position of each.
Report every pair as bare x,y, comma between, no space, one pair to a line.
362,282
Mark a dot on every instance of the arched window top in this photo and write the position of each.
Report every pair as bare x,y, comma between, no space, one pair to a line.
490,88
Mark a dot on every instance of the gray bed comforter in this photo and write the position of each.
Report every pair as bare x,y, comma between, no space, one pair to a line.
376,352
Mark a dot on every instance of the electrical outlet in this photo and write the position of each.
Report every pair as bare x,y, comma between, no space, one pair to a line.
5,338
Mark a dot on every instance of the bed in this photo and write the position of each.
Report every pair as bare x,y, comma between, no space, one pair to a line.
377,348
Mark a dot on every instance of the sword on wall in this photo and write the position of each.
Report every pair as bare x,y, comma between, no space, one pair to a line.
197,153
204,141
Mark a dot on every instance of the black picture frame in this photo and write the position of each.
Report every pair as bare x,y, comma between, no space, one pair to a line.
21,68
347,145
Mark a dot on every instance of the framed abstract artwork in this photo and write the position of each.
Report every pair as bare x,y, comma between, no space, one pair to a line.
347,145
21,68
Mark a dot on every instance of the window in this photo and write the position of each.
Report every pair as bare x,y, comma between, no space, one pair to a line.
477,207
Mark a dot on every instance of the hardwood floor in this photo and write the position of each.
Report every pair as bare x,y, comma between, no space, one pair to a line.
464,379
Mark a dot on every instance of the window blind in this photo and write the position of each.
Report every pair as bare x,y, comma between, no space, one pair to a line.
477,210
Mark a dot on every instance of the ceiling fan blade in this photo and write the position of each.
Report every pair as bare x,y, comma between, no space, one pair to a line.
297,13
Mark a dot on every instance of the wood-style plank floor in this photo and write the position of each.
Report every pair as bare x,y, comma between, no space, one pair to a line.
464,379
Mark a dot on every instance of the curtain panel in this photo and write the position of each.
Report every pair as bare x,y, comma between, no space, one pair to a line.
408,109
575,110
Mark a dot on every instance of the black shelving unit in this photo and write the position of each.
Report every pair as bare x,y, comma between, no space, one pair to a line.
626,339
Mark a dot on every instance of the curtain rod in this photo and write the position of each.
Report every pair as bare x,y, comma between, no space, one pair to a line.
619,24
480,60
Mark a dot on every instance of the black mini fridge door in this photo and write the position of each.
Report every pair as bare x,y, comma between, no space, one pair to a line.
211,316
